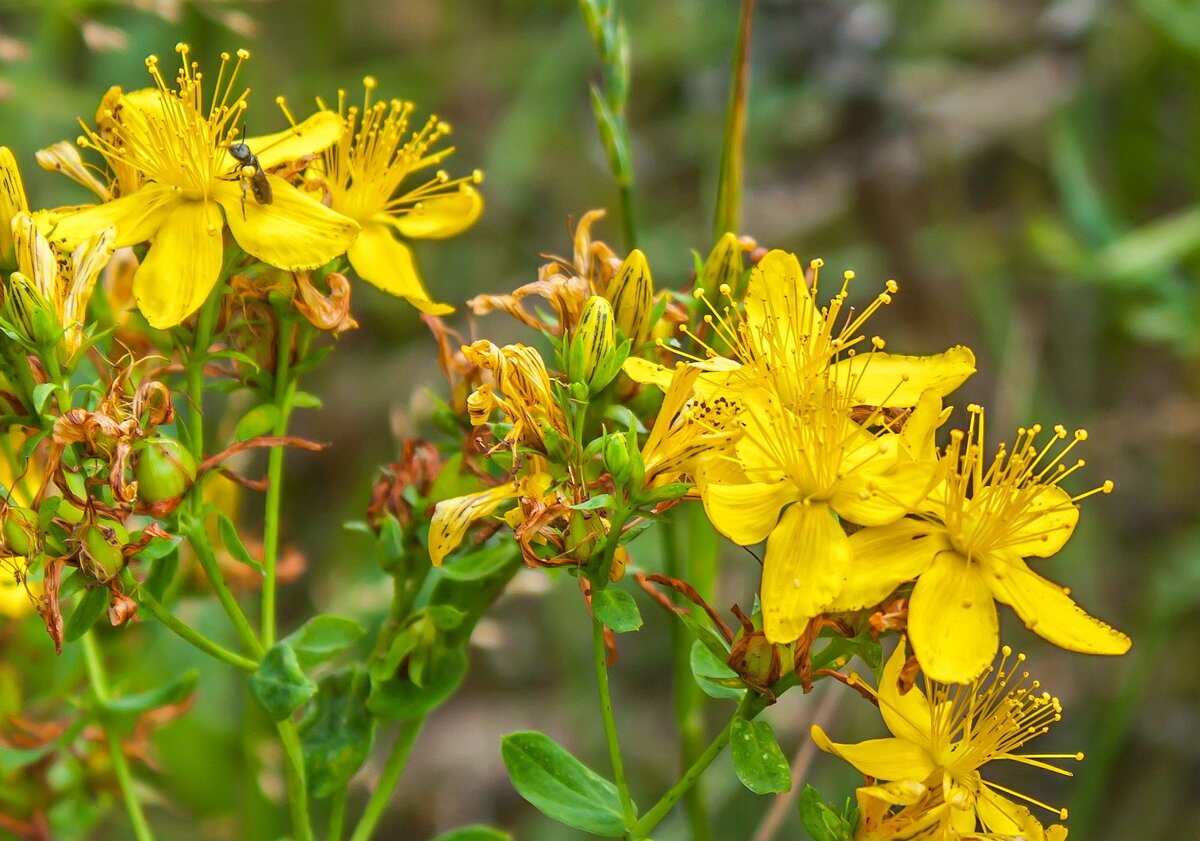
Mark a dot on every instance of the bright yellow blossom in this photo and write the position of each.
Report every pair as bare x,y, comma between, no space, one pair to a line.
180,188
782,334
788,475
12,200
452,517
363,174
942,737
967,549
687,427
61,283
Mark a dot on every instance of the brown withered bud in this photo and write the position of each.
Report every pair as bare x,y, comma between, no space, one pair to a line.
756,661
893,616
331,312
417,468
121,608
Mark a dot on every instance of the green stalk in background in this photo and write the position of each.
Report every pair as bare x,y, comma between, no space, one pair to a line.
733,154
608,33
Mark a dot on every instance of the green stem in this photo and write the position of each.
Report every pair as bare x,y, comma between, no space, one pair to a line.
733,153
337,815
750,707
99,681
388,780
184,631
600,660
194,370
284,389
689,711
630,221
297,788
197,538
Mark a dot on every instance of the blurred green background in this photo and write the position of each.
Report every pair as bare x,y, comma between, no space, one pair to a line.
1027,171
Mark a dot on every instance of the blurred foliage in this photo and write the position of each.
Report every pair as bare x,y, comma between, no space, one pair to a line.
1028,172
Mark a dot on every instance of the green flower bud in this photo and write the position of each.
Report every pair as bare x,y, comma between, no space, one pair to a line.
164,470
592,353
20,531
21,305
101,543
723,270
631,294
616,459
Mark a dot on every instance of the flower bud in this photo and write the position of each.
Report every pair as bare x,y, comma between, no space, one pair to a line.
101,543
20,531
164,470
616,459
723,268
592,357
631,294
22,306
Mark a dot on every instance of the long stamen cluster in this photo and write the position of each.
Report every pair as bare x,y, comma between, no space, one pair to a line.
177,140
992,504
378,152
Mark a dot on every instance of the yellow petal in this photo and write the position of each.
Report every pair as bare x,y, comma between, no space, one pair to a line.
883,759
182,265
885,379
952,620
442,216
876,499
780,310
318,132
378,257
293,232
136,217
885,557
906,715
807,557
745,513
1048,611
1045,523
1001,816
63,157
452,517
648,373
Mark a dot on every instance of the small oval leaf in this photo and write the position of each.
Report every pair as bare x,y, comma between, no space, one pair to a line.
616,610
757,759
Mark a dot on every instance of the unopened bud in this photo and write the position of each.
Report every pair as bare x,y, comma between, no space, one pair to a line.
592,357
164,470
723,269
620,560
22,306
631,294
12,200
616,459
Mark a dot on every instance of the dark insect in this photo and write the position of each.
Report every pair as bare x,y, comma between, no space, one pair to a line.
257,181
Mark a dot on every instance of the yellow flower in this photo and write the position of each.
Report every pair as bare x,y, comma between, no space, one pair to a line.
785,479
62,282
15,600
525,396
942,737
967,550
363,173
686,428
452,517
922,813
180,188
783,335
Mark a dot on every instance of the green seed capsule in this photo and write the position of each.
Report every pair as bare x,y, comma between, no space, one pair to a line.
164,470
101,543
20,530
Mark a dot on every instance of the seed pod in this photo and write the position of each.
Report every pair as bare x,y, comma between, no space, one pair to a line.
164,470
101,543
20,531
631,294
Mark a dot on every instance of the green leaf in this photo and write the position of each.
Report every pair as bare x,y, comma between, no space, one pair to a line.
279,685
258,421
474,833
400,698
323,637
157,548
480,564
304,400
712,674
41,393
233,544
757,759
598,501
616,610
700,629
338,732
822,821
172,692
560,786
90,608
445,617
